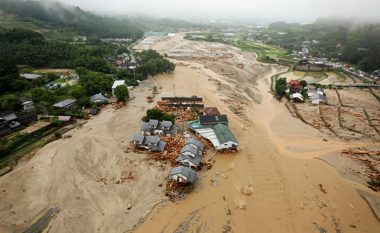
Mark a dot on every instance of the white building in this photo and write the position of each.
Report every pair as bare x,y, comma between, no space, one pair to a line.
116,84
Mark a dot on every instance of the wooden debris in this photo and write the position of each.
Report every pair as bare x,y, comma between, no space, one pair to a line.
323,190
371,160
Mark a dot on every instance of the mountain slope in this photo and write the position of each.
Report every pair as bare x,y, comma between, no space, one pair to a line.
45,14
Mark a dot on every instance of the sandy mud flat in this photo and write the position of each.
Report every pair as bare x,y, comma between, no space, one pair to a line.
273,184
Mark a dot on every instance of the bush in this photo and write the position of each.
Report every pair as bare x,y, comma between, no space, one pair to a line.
122,93
280,87
58,135
157,114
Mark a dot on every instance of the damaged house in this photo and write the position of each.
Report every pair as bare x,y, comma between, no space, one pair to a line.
151,143
183,175
155,127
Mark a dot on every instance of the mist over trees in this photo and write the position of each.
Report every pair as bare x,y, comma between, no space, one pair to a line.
60,15
353,43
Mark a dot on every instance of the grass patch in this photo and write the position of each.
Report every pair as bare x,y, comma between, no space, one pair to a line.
16,147
265,53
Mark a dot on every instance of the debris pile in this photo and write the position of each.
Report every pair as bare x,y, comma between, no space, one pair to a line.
173,148
371,160
177,191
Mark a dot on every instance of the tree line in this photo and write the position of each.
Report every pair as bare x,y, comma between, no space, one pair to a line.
90,60
56,14
341,39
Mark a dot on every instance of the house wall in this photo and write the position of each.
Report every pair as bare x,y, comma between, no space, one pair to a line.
146,133
158,132
227,145
187,163
192,145
180,178
188,153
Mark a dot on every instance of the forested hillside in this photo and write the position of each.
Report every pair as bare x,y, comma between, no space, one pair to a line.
55,14
354,43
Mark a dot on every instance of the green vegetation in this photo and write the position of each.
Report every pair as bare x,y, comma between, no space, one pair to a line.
265,53
96,72
122,93
157,114
25,47
211,37
334,38
280,87
10,145
152,63
43,14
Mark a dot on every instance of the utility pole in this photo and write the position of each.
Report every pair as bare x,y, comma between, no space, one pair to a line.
174,89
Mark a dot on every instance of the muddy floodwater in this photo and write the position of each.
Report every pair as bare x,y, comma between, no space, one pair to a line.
273,184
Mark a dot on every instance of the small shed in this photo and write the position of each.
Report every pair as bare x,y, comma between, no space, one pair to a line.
116,84
65,104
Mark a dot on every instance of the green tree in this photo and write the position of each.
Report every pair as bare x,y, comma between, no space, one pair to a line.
122,93
280,87
77,91
157,114
9,101
303,83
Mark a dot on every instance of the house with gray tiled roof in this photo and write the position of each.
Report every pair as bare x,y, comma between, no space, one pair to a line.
155,127
196,144
183,174
189,161
151,143
65,104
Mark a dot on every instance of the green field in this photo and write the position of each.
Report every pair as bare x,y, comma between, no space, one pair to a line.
265,53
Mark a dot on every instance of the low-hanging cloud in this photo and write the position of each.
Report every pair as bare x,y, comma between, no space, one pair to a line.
265,10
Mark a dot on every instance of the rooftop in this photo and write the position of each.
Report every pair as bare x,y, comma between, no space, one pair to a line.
318,97
195,160
138,138
211,111
213,119
183,99
98,97
160,146
64,103
185,171
7,115
188,148
118,83
195,142
152,139
31,76
223,133
153,123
